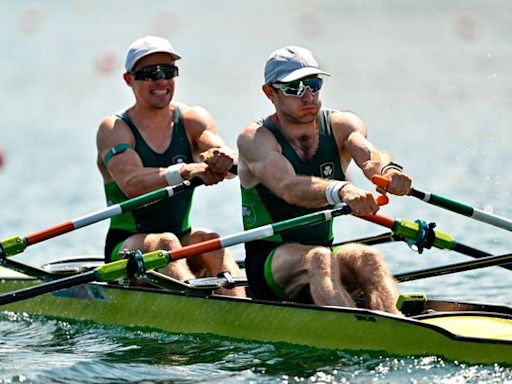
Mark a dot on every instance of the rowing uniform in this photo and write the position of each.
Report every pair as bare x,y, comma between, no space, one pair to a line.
168,215
260,207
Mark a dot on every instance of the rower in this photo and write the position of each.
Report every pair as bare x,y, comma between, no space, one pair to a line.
294,162
155,143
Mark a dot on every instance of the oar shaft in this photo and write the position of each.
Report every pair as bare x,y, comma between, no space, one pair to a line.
463,209
470,251
259,232
409,230
476,253
51,286
17,244
483,262
453,206
107,213
371,240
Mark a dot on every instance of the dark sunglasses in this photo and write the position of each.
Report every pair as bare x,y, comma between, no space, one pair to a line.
156,72
297,88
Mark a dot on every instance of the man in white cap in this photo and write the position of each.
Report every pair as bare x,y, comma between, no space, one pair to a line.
294,162
155,143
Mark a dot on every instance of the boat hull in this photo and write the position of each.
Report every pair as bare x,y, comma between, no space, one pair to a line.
349,329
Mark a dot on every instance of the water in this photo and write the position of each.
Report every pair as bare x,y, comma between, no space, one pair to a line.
65,352
432,82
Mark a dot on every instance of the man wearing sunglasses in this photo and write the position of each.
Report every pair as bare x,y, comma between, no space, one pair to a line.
155,143
294,162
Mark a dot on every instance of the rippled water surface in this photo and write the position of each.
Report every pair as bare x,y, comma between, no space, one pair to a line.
432,80
41,350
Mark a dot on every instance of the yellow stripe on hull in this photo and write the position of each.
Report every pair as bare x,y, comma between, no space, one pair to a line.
475,326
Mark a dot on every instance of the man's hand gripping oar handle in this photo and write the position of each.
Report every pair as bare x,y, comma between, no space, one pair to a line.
383,182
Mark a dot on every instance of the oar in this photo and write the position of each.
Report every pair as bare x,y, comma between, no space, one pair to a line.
453,206
371,240
484,262
159,259
17,244
425,237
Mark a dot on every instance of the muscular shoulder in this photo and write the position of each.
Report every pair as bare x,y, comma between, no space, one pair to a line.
345,122
256,136
195,115
112,131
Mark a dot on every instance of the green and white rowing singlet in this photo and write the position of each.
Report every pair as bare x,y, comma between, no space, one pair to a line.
168,215
260,206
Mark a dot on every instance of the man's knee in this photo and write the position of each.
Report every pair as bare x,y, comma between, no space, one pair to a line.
371,257
319,259
165,241
360,254
201,236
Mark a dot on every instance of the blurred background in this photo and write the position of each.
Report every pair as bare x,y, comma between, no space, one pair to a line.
432,80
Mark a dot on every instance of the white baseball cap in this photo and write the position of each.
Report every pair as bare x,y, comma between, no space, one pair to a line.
146,46
291,63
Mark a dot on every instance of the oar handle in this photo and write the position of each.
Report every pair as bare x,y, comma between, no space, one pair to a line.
383,182
382,200
197,181
380,181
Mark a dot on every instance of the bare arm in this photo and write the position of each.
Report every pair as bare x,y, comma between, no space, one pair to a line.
351,132
261,161
208,146
126,168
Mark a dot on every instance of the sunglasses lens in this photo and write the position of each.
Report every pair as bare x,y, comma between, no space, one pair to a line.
293,88
315,84
298,87
156,72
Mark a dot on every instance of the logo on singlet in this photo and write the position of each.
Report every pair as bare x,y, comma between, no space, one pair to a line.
248,215
327,170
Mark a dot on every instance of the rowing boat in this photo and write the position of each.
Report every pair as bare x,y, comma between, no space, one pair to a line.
85,289
461,331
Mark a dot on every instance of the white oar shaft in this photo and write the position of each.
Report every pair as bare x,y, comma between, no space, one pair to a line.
98,215
492,219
